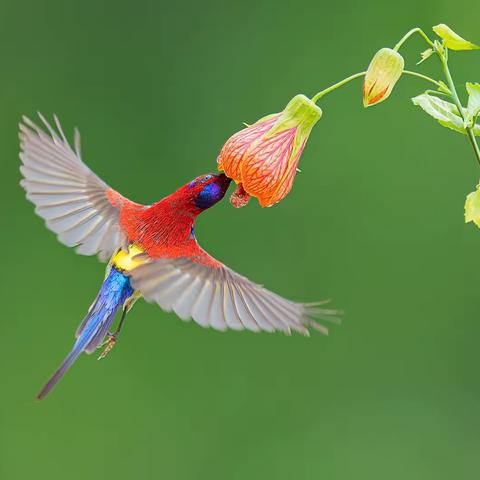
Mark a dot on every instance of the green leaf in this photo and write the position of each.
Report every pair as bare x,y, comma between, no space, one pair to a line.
445,113
472,208
473,106
452,40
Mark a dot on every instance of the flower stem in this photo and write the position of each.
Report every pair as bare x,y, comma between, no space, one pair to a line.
458,103
333,87
424,77
409,34
473,141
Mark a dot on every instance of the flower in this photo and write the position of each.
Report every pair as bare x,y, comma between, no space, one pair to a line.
262,158
452,40
472,207
382,74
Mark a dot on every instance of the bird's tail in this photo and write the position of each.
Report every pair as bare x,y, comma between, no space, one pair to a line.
115,290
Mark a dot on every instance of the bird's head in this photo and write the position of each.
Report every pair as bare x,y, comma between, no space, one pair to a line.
204,191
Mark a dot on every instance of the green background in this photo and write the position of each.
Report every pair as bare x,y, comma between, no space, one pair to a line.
374,222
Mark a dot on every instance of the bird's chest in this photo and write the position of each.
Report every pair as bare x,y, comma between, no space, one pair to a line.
163,235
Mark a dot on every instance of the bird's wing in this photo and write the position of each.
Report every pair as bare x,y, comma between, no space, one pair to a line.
215,296
67,194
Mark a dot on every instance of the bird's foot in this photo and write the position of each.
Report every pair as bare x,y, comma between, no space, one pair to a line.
108,345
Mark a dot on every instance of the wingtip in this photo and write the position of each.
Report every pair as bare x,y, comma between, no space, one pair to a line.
313,314
319,327
26,123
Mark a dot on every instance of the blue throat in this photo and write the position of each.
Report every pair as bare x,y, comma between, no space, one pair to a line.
209,196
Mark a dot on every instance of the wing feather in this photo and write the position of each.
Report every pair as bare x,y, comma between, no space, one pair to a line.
246,317
200,309
186,299
215,296
216,315
67,194
232,317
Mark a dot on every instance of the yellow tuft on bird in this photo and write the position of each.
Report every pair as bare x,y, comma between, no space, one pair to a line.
128,260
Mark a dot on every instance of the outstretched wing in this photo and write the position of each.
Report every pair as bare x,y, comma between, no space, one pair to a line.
67,194
217,297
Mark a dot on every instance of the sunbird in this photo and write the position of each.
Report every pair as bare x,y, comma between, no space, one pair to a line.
152,249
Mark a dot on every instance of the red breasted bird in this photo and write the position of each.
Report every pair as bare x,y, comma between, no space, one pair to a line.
152,249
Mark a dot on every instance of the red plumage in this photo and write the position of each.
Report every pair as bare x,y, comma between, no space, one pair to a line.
164,229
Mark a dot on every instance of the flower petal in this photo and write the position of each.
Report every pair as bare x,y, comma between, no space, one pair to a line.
232,153
266,164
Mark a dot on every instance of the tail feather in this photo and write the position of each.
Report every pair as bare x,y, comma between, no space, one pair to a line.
94,327
99,336
87,317
62,369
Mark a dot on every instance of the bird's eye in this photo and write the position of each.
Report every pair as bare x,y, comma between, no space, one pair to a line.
207,177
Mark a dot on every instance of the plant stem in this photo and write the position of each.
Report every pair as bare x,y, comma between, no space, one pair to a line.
456,99
424,77
333,87
336,85
409,34
473,141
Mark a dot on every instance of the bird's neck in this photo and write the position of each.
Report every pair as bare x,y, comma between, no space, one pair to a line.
169,223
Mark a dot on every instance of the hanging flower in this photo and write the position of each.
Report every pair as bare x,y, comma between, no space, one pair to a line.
472,207
382,74
262,158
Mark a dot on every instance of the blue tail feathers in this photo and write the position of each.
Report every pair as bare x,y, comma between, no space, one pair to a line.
115,290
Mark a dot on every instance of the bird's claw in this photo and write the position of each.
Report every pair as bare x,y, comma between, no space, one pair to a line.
108,345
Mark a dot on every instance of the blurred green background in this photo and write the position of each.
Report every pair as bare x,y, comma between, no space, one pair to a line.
374,222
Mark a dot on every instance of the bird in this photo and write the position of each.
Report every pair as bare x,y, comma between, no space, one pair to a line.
151,250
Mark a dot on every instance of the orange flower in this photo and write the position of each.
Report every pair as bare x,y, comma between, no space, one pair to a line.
263,158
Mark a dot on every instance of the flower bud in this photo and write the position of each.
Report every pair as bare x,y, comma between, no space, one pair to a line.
382,74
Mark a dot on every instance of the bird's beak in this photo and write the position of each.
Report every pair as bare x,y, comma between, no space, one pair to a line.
223,181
